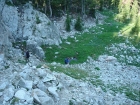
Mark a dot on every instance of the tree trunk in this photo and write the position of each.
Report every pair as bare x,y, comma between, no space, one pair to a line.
65,6
101,5
50,8
45,8
83,7
69,6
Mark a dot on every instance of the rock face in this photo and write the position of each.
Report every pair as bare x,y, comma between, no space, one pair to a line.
23,23
26,23
4,40
35,49
5,44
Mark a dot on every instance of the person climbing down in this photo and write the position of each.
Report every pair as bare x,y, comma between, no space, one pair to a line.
67,60
27,56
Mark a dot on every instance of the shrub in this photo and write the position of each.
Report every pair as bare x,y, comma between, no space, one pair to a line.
9,3
78,24
97,68
68,21
70,102
38,20
92,13
14,100
19,2
49,23
38,66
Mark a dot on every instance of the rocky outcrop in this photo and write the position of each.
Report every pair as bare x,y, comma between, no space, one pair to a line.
5,44
23,84
23,23
35,49
26,23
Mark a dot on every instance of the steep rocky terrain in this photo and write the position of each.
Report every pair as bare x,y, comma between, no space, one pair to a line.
24,84
108,82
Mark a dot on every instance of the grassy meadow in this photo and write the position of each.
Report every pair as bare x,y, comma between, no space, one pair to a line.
90,43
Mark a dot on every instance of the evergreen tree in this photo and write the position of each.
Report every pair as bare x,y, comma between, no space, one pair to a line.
115,3
92,7
68,22
135,17
134,10
101,5
136,28
124,10
129,10
78,24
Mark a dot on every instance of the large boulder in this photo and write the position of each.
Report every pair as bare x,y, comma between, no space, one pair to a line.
35,49
53,91
23,95
8,93
42,98
25,83
105,58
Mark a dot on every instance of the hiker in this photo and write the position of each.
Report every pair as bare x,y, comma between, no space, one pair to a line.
67,60
74,58
27,56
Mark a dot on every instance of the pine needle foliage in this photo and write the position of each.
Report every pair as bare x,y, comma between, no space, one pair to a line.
78,24
68,22
136,28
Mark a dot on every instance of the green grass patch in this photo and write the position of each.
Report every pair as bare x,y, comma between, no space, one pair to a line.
70,102
97,68
39,66
21,45
6,67
14,100
97,82
77,74
132,94
89,44
21,61
72,72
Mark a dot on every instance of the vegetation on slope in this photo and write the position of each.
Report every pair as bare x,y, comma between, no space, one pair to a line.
92,43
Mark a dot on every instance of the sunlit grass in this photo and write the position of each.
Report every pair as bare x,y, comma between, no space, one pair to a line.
127,29
138,37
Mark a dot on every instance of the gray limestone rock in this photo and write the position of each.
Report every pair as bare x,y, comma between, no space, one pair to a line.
42,98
